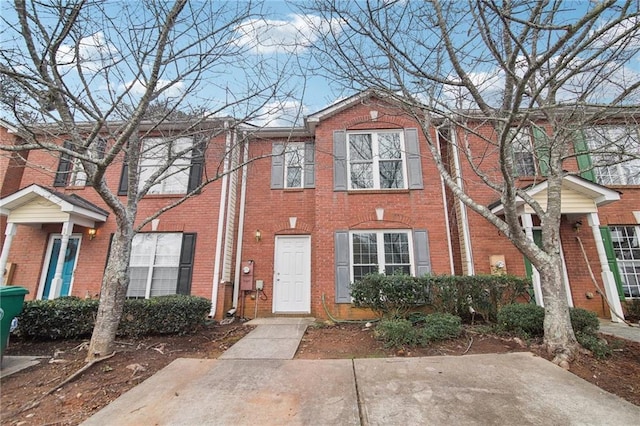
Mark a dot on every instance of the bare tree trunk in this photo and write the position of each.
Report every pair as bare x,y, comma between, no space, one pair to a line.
559,337
114,291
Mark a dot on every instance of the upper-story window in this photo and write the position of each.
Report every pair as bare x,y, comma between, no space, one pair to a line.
376,160
524,160
294,165
70,170
177,165
609,148
157,153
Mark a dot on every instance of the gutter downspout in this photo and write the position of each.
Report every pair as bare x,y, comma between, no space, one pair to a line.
446,209
219,232
243,198
463,209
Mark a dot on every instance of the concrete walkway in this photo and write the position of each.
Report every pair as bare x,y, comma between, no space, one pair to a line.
620,329
244,388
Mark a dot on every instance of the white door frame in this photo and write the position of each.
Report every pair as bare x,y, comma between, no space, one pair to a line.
47,260
307,273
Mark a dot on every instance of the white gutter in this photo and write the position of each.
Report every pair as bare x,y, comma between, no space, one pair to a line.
446,210
464,229
216,262
243,198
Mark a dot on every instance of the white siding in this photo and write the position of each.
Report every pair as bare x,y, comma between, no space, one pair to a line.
572,202
38,211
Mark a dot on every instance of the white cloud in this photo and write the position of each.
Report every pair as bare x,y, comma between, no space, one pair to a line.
281,114
94,53
283,36
138,88
626,33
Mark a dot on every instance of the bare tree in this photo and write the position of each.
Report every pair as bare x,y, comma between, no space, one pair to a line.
135,82
507,66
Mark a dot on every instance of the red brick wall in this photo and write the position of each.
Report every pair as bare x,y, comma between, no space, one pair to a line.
322,211
198,214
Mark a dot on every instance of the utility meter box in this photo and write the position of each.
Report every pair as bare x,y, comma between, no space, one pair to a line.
246,276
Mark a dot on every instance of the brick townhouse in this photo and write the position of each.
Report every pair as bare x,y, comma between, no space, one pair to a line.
351,191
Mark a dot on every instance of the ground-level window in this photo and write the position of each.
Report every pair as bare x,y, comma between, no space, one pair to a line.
626,244
386,252
154,264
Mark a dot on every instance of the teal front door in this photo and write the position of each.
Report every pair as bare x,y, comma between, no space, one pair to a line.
67,270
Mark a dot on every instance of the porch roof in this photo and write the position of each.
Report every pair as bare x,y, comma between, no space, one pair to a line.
36,205
579,195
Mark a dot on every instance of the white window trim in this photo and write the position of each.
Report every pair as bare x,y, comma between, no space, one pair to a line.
380,248
376,159
300,148
181,164
632,262
153,265
518,139
594,143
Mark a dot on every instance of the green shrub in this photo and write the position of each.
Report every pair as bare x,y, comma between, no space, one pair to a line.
390,295
632,309
397,333
584,321
599,347
178,314
522,318
486,294
400,333
72,318
63,318
440,326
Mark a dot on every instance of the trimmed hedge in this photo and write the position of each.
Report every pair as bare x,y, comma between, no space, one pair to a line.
73,318
397,295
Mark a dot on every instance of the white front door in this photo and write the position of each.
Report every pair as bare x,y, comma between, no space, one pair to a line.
292,275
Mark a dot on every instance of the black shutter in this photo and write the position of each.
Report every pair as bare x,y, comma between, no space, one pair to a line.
185,270
414,161
64,167
309,165
197,164
277,166
421,252
340,160
343,281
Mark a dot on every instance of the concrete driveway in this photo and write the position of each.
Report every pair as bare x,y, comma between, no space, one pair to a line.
507,389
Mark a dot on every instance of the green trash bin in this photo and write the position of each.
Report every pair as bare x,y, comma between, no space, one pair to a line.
11,301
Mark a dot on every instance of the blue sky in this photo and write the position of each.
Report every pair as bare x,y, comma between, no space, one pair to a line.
278,41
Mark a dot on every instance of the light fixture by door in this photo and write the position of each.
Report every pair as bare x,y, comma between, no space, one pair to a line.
92,233
258,235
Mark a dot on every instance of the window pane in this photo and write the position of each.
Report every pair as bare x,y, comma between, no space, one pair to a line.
389,146
391,174
155,156
626,244
365,249
523,159
360,147
155,258
610,146
294,161
362,175
360,271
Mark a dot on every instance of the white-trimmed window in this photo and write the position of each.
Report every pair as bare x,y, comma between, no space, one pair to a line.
609,149
376,160
524,160
294,165
385,252
154,264
626,245
70,169
156,154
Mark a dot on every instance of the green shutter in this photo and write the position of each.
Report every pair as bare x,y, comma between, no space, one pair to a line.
583,157
541,144
537,238
611,258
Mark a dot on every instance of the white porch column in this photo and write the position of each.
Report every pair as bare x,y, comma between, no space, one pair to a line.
610,288
56,282
9,233
527,223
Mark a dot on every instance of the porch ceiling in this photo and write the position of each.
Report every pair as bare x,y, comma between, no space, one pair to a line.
36,205
578,196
